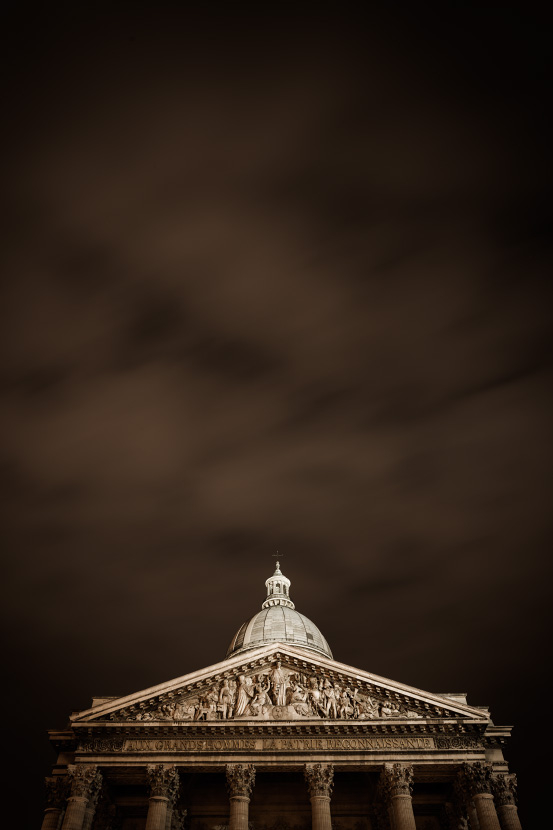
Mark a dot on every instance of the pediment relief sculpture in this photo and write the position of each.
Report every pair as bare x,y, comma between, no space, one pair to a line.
275,692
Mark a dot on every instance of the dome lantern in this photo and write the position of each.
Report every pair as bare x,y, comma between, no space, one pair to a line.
278,590
278,622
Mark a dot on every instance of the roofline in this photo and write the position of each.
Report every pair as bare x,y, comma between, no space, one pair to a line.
241,660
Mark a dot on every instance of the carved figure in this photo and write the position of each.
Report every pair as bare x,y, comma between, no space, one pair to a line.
315,697
226,700
212,699
278,684
244,695
330,700
184,710
388,710
261,702
298,700
345,705
368,708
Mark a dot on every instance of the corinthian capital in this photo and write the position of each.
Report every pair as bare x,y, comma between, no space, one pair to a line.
474,779
57,790
85,780
396,779
164,781
320,779
240,779
504,788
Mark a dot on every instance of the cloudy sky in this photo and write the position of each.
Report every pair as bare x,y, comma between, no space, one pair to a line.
275,285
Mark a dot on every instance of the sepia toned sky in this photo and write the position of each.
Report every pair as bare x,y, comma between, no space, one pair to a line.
276,285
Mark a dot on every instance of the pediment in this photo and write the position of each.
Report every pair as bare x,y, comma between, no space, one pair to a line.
278,682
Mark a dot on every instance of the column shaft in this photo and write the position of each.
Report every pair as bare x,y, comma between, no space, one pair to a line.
473,817
239,812
89,816
320,812
51,820
402,809
75,813
508,817
485,809
157,813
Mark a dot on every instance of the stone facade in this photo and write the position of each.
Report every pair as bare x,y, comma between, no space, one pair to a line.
281,737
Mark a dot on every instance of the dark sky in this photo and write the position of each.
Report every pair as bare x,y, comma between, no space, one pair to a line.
276,284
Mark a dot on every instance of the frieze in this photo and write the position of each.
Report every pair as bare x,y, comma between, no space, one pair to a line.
275,692
254,744
100,745
457,742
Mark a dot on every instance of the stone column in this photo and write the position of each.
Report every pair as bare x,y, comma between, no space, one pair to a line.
57,790
164,786
396,786
93,797
504,788
106,816
454,818
83,781
474,824
320,780
240,780
475,782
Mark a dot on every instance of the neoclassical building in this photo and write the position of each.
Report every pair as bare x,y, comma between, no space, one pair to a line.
281,736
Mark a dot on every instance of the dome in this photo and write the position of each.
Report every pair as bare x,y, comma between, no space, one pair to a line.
278,622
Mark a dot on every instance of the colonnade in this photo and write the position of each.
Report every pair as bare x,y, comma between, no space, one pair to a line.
483,800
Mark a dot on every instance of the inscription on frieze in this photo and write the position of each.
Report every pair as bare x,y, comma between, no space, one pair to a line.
193,745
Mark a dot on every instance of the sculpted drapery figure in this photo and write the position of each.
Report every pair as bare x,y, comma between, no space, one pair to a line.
260,702
226,700
278,679
298,699
244,695
330,697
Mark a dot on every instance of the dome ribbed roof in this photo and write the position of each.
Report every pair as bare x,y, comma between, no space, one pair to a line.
278,622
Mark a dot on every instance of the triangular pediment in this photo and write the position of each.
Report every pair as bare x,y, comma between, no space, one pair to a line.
278,682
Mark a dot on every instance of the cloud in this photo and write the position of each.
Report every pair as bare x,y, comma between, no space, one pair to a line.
293,304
